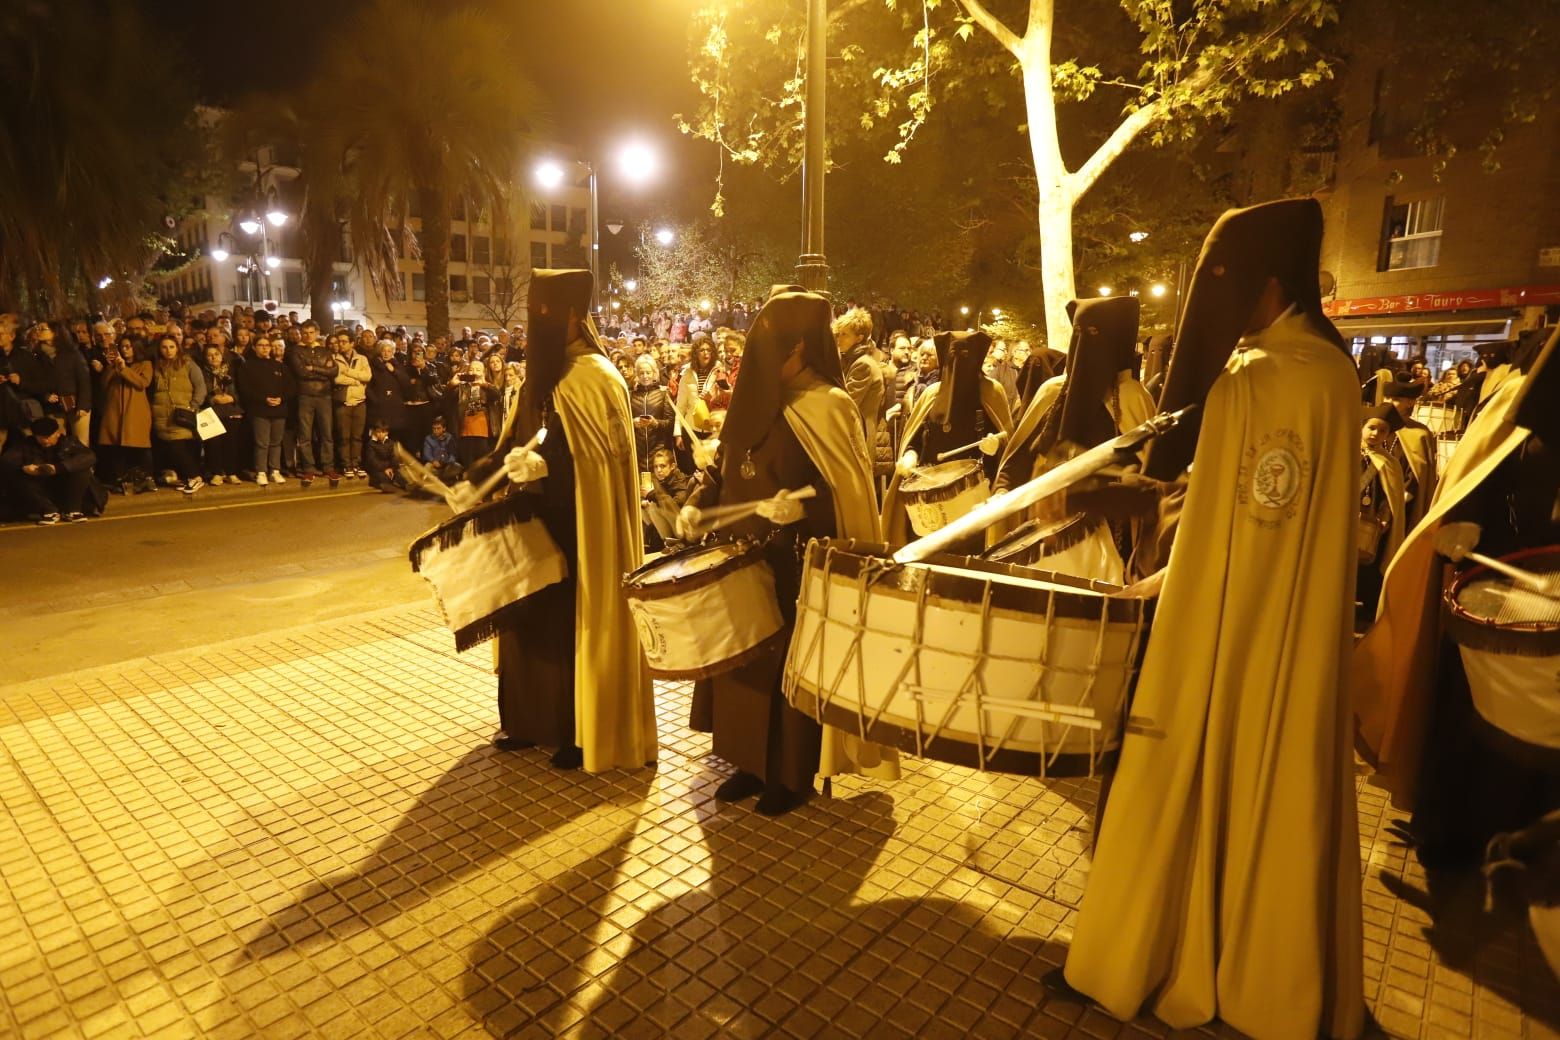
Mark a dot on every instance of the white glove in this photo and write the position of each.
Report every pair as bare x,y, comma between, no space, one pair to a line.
779,511
990,443
688,523
462,496
906,464
704,453
524,465
892,413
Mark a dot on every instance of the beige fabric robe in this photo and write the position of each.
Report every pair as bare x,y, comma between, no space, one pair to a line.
1226,881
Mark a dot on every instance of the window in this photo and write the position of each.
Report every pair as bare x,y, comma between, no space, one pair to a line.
419,287
479,289
457,287
538,254
503,289
560,217
292,286
1411,234
501,252
481,250
457,247
538,216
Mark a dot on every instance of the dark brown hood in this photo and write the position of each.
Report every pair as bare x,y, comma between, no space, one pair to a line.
792,315
553,294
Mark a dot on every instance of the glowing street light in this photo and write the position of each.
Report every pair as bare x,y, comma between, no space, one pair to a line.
1158,289
631,285
996,312
1105,290
276,217
964,311
220,255
666,236
617,305
249,226
105,282
1138,236
549,174
704,305
638,162
273,262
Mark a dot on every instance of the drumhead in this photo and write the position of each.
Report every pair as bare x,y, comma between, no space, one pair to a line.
699,562
1490,611
942,475
1038,539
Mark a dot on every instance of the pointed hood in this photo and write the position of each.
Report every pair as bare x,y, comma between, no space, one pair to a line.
1281,240
960,356
553,295
792,315
1104,344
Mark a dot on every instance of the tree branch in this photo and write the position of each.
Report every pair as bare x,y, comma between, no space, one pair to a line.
993,25
1109,151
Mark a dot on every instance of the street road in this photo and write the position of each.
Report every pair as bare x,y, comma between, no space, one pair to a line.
163,572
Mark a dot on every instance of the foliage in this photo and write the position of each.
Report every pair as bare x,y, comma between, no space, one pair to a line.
99,146
709,260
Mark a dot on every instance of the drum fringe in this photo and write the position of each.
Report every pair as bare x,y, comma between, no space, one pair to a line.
488,627
506,512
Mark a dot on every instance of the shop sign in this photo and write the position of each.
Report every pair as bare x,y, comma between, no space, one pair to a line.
1462,300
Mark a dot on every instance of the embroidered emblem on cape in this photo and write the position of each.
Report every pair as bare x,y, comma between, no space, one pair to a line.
1272,475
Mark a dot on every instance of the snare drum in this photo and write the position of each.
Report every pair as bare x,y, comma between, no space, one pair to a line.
704,610
1078,545
484,562
1441,417
964,661
936,496
1509,638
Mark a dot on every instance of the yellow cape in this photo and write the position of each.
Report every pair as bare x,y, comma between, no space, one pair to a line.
829,428
1226,880
895,521
1392,671
1390,472
614,703
1419,446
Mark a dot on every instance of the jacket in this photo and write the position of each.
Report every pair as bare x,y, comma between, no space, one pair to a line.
352,376
314,370
261,378
651,402
379,456
386,399
179,384
64,373
126,412
670,494
223,381
438,449
68,455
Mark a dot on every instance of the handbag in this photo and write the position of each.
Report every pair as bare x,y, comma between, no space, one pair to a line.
183,417
1368,532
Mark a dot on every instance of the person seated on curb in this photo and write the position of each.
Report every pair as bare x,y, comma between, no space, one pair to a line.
669,488
50,474
438,452
384,471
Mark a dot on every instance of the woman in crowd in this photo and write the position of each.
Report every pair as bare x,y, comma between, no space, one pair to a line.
509,392
472,396
266,388
386,399
125,433
1383,506
651,408
223,456
702,387
421,388
350,404
178,392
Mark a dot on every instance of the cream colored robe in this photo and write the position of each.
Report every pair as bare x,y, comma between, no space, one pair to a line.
614,702
827,423
1393,667
1419,448
1389,474
1226,880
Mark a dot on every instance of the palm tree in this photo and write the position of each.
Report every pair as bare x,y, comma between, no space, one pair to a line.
98,147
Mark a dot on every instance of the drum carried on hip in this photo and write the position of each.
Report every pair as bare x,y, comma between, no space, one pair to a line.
935,496
1065,546
1509,638
956,659
484,562
704,610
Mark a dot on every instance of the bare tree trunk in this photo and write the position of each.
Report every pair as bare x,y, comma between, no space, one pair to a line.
1056,192
435,242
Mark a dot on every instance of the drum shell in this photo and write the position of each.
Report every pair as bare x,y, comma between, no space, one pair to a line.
934,507
967,641
706,623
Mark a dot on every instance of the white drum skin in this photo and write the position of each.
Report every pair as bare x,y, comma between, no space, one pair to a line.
704,610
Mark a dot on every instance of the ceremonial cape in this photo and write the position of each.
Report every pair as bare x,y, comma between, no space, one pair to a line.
1419,447
895,521
1392,671
1390,473
826,423
613,699
1226,880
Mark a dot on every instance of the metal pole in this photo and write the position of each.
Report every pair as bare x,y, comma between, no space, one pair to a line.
811,267
595,244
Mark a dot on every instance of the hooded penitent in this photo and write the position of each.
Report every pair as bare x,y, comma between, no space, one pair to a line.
1246,247
792,315
554,294
959,357
1226,880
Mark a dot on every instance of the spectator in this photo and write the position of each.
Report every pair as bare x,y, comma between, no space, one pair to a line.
384,470
50,473
901,359
223,456
314,369
352,378
266,387
732,344
60,377
863,375
667,493
652,410
929,369
422,390
386,398
510,393
473,394
438,453
702,387
178,392
125,431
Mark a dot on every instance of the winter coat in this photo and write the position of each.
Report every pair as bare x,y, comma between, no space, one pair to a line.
314,370
126,411
261,378
179,384
222,381
379,456
655,403
386,395
438,449
63,372
352,375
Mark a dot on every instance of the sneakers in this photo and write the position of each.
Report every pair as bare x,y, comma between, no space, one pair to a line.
360,473
48,519
260,479
305,479
217,479
76,518
194,485
276,477
170,478
334,477
234,478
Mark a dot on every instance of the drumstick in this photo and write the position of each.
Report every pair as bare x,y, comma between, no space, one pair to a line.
499,475
687,426
716,517
950,453
1456,542
423,477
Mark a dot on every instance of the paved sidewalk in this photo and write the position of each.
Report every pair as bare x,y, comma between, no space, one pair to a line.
306,834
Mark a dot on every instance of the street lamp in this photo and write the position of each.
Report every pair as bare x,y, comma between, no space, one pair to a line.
549,174
638,162
996,312
666,236
1105,290
276,217
221,251
631,285
704,305
1158,289
1138,236
273,262
249,225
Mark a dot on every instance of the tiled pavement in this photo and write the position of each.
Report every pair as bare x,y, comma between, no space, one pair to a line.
305,834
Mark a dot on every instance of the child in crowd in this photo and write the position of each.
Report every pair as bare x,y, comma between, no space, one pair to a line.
384,471
438,452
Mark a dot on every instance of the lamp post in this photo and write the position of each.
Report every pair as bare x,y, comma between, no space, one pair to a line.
812,267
